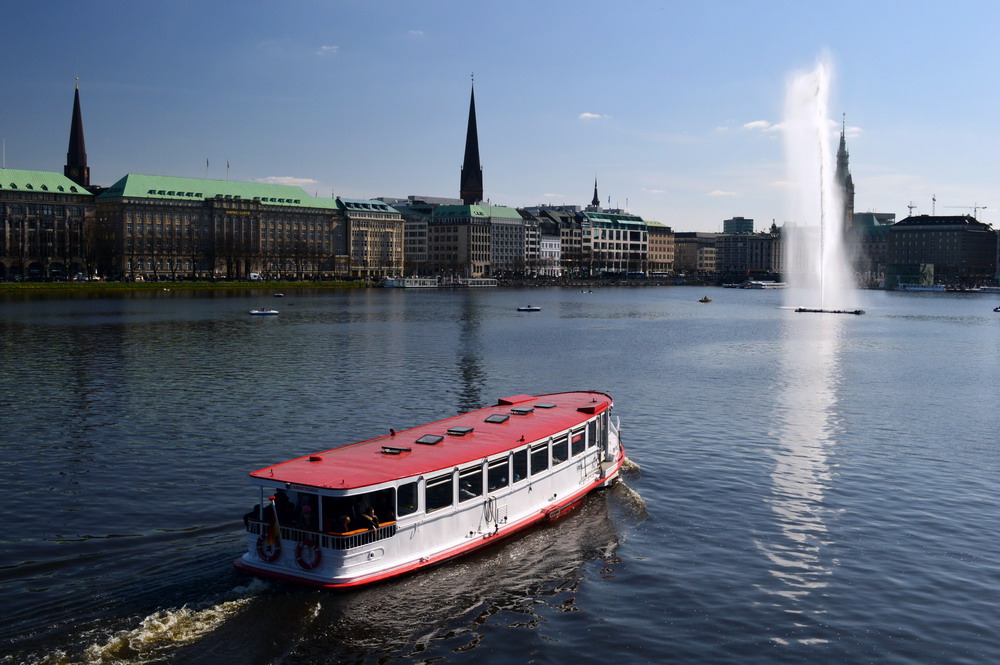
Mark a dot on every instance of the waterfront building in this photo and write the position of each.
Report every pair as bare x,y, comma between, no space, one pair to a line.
156,227
549,248
661,247
45,219
416,212
532,242
744,255
570,231
614,241
695,252
868,245
475,241
374,238
737,225
961,249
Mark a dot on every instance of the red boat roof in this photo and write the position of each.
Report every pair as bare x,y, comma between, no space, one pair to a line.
443,444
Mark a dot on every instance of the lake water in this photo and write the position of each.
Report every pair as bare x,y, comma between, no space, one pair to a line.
803,487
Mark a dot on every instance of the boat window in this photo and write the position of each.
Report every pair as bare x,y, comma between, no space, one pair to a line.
592,433
560,450
406,499
342,514
470,483
496,475
439,493
539,458
520,464
577,442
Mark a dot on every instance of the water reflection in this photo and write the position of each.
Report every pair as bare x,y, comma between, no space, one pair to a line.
805,426
471,375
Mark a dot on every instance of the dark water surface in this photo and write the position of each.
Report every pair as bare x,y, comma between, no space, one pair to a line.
805,488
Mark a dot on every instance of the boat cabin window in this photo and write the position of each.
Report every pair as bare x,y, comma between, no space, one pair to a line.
519,464
560,450
496,475
470,483
577,442
406,499
343,514
593,433
539,458
439,493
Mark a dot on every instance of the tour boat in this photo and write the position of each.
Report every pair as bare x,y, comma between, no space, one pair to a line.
401,502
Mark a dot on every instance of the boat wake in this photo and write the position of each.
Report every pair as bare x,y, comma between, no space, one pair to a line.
159,633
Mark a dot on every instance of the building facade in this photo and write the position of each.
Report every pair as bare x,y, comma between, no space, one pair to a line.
961,249
475,241
45,220
695,252
614,242
737,225
661,247
374,238
163,227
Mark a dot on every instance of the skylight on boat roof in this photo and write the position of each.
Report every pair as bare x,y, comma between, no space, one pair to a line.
430,439
393,450
522,410
545,405
498,418
460,430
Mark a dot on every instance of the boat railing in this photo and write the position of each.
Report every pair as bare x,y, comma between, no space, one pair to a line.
329,540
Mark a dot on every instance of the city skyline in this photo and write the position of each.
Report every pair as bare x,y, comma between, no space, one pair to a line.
676,110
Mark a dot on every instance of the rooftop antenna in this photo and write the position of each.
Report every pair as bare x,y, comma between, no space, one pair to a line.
910,206
933,204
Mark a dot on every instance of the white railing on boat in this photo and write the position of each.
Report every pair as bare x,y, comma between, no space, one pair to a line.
332,541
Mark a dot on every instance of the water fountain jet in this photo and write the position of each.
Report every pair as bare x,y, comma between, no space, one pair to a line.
816,262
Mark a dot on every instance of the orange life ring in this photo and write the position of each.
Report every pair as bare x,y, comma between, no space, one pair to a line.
315,554
268,552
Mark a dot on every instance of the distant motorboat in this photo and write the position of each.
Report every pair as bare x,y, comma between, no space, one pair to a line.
996,309
279,295
705,299
529,308
263,312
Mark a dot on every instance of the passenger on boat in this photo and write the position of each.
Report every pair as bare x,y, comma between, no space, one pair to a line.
306,519
368,519
254,514
284,507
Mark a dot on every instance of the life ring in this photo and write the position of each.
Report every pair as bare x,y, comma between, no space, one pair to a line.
308,554
268,552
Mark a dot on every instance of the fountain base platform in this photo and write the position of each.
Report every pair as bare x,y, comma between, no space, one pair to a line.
857,312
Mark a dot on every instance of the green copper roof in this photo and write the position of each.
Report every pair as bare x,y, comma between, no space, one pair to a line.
38,181
485,211
196,189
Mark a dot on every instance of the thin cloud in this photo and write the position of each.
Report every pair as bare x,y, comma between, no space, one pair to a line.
415,33
286,180
655,191
720,192
328,50
763,125
591,116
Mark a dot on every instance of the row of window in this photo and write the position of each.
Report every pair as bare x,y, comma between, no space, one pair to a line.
517,467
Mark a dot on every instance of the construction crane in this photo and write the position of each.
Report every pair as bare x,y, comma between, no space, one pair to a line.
910,207
975,208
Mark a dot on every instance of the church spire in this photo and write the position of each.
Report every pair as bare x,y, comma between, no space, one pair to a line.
597,200
471,187
76,168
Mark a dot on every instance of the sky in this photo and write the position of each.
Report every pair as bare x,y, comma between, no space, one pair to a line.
674,107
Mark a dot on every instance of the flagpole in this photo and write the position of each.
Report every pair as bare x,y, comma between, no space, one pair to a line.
206,169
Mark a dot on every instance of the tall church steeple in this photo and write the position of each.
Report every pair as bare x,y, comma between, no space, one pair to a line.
76,168
597,200
471,187
844,179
